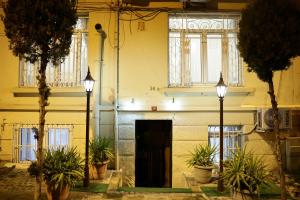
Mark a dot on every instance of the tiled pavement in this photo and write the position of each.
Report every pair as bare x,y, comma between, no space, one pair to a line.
16,184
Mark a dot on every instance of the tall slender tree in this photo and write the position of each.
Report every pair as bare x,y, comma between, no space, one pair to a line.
268,40
40,31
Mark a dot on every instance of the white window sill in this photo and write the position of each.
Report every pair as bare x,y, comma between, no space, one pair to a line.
206,91
55,92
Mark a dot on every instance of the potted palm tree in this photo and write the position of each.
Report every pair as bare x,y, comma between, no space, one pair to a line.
202,161
62,168
245,174
100,155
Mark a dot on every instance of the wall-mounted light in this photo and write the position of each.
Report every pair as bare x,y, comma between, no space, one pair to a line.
131,103
172,104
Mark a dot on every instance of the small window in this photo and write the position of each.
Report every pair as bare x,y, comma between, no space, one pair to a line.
233,139
69,73
27,145
58,137
202,46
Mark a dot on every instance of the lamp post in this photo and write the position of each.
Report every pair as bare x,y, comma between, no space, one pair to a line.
221,91
88,85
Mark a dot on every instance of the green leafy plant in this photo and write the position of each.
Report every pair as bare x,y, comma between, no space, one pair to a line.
100,150
62,167
245,172
203,155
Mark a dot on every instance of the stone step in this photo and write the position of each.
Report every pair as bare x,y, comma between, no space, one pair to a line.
115,181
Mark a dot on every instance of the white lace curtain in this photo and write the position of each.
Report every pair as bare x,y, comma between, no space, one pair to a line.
200,47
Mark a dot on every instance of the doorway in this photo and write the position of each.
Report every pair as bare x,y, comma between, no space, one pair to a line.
153,159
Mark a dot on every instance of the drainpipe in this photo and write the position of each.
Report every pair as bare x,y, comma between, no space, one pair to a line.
98,102
116,108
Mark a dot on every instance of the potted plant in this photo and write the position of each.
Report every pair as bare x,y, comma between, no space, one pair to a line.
100,155
62,168
245,174
202,161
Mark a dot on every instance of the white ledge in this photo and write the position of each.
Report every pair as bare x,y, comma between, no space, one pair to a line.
123,108
35,108
54,92
206,91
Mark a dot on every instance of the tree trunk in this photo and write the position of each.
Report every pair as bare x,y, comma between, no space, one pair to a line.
44,92
278,139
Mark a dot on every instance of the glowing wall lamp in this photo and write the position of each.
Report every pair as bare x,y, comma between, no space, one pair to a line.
88,85
221,92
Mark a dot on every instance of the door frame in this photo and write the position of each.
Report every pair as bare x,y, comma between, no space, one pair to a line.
171,146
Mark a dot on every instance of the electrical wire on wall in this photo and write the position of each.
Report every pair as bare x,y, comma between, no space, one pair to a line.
128,13
138,16
124,9
250,132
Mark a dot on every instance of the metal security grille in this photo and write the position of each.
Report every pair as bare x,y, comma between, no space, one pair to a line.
233,139
69,73
58,137
25,145
200,47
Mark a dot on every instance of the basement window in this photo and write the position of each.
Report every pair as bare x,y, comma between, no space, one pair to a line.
233,139
69,73
58,137
201,46
26,145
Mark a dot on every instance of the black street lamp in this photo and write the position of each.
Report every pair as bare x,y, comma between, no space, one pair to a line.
221,91
88,85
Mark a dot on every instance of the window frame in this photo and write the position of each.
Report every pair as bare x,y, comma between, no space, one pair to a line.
17,138
59,78
57,131
20,147
203,57
238,134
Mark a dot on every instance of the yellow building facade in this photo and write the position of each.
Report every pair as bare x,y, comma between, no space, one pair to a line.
132,90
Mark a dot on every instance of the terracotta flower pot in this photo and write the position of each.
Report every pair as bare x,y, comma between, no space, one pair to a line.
58,194
203,174
100,170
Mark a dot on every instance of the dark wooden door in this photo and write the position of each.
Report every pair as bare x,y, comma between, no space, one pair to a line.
153,153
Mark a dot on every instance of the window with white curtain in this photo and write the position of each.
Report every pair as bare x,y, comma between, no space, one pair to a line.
202,46
69,73
58,137
27,145
232,140
55,136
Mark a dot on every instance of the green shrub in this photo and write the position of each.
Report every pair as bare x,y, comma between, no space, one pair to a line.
245,172
100,150
203,155
62,166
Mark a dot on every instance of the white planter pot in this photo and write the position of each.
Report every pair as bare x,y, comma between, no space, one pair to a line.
203,174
